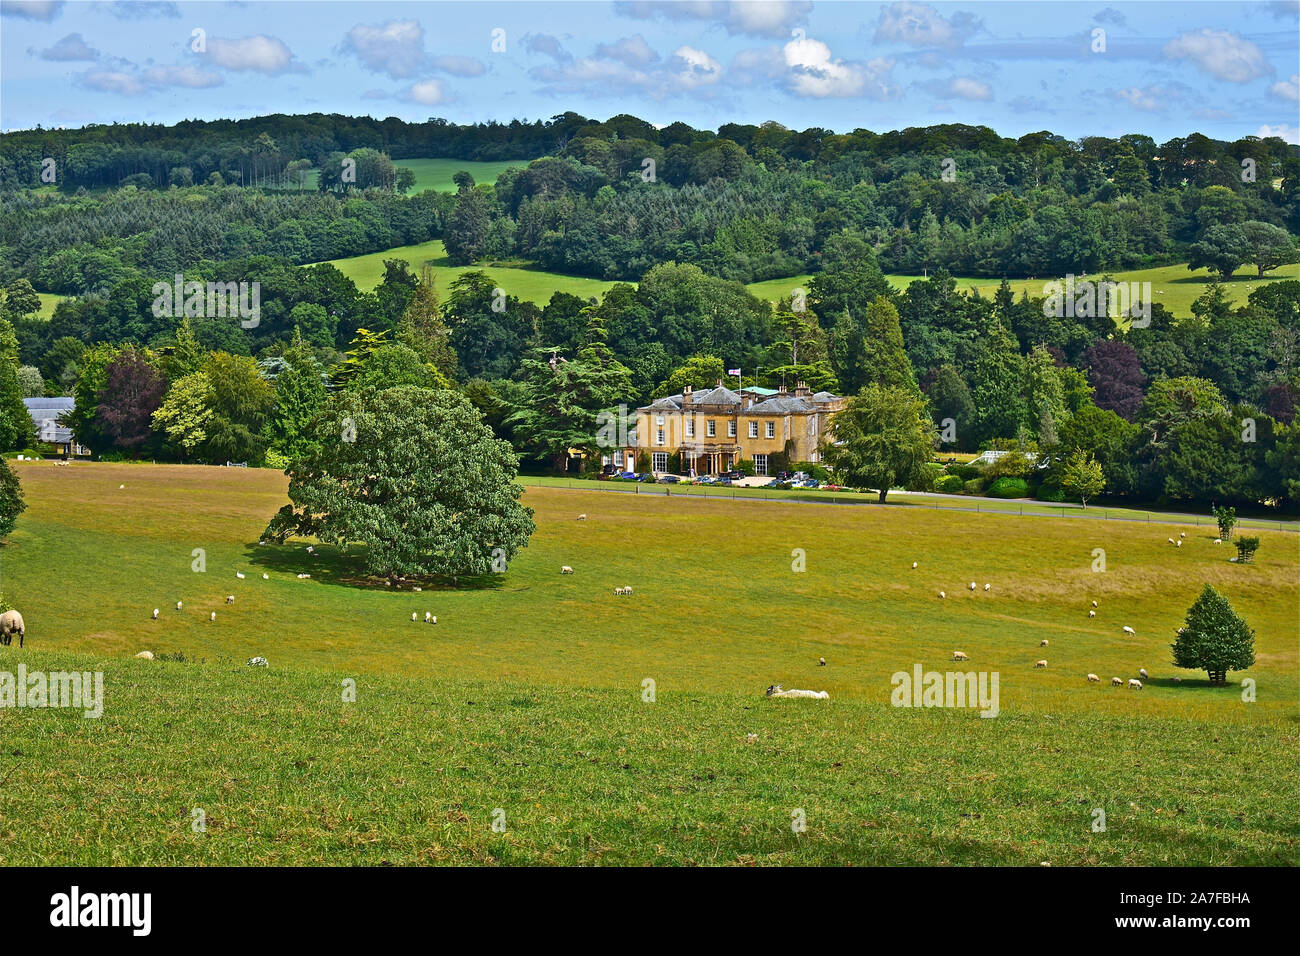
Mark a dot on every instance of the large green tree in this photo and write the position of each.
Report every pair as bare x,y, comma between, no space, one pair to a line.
416,477
1214,638
881,438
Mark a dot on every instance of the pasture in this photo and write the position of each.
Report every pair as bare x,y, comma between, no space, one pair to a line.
437,174
527,694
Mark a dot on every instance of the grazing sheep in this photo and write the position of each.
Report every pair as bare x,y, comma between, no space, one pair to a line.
178,605
987,586
1218,541
1142,672
311,548
776,690
972,585
942,595
821,662
1042,643
1170,540
1040,663
11,623
565,569
230,599
434,619
1179,542
428,618
257,662
412,615
240,575
618,590
582,517
1135,684
913,565
960,656
1093,679
145,655
212,616
1129,630
1092,614
627,589
266,577
1094,603
1182,534
1117,681
155,614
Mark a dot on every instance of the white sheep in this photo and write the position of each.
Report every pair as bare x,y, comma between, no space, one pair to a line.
434,619
178,605
1176,680
1179,542
1142,672
418,590
1135,684
413,617
1129,630
1092,614
776,690
1182,534
257,662
266,577
913,565
311,548
618,590
1043,642
212,616
1093,679
942,595
972,585
987,586
1040,663
960,656
11,623
1094,603
145,655
821,662
627,589
230,599
565,569
1218,541
1170,540
155,614
240,575
428,618
582,517
1117,681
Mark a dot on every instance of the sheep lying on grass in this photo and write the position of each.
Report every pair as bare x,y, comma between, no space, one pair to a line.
145,655
776,690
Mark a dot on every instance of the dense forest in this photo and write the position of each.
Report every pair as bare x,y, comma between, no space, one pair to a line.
681,218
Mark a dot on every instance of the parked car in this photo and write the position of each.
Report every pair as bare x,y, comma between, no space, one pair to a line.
733,475
648,476
628,476
706,480
777,483
725,481
669,480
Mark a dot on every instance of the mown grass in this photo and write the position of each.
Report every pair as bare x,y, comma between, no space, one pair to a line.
557,734
438,174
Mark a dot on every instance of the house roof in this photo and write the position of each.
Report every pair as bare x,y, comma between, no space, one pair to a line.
48,408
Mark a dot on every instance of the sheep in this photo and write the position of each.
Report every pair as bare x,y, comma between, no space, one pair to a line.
155,614
1135,684
212,616
413,617
1117,681
11,623
428,618
311,548
230,599
1093,679
257,662
618,590
145,655
434,619
1182,534
942,595
776,690
1176,680
582,517
627,589
1218,541
1142,672
1040,664
987,586
972,585
1179,543
1170,540
1129,630
266,577
418,590
240,575
821,662
960,656
1042,643
913,565
178,605
1092,614
565,569
1094,603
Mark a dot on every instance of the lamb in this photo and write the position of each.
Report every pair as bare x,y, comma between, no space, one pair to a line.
776,690
1042,643
565,569
1092,614
155,614
960,656
1093,679
428,618
1040,664
145,655
1142,672
1129,630
11,623
1117,681
1135,684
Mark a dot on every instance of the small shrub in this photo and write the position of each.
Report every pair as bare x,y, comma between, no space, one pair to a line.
965,472
1008,487
1050,491
925,477
277,460
949,485
1227,519
974,487
1246,548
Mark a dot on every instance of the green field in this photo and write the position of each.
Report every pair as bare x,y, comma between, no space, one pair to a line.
49,301
436,174
526,696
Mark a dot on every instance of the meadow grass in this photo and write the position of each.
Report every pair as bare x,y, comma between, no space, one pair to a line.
437,174
526,695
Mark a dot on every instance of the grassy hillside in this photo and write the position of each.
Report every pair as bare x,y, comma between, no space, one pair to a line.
527,694
436,174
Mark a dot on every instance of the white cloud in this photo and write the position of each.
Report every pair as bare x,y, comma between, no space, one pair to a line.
1148,100
1285,131
256,54
813,72
1220,53
114,81
458,65
697,68
547,45
959,87
143,10
43,10
919,24
764,18
71,47
427,92
632,51
395,47
1288,89
190,76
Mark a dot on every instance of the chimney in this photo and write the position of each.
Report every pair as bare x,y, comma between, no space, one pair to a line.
687,395
802,390
781,392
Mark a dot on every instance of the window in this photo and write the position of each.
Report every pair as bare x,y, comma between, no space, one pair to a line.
660,440
690,428
660,461
604,459
760,464
771,429
753,429
812,424
731,429
618,459
659,419
711,428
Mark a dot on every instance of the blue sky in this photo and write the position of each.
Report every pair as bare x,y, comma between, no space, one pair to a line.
1167,68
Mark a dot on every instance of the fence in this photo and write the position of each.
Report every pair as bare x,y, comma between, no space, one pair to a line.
913,500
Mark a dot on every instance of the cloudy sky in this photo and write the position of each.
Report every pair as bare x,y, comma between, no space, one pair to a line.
1108,67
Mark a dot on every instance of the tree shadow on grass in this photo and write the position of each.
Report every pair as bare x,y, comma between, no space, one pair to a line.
1202,683
346,568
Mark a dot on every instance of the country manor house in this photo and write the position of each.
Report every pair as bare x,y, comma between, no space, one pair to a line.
715,429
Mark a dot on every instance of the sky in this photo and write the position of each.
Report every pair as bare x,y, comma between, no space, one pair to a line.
1102,68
